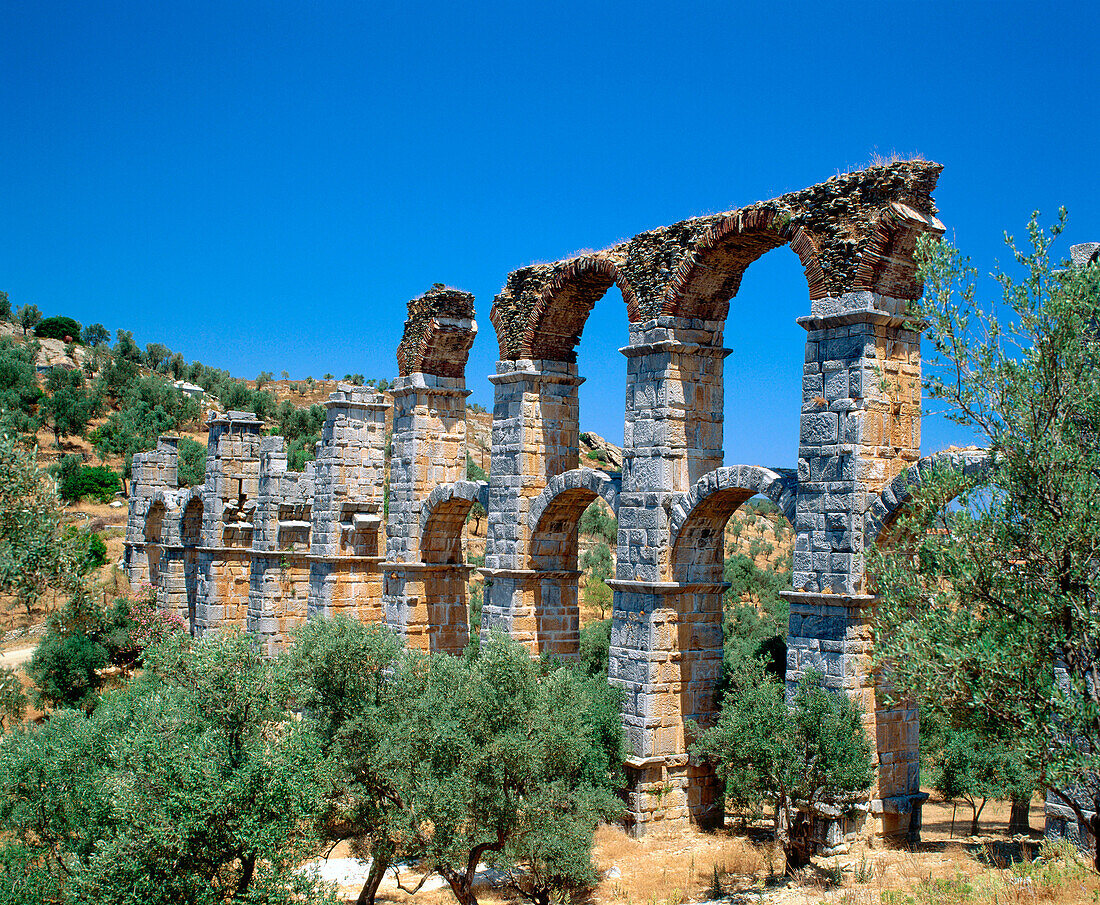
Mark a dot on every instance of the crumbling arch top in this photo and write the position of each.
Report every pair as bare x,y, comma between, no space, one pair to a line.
855,232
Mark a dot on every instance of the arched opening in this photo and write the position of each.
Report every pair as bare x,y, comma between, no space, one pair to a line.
190,537
763,372
440,608
597,552
601,398
446,613
154,538
556,519
692,625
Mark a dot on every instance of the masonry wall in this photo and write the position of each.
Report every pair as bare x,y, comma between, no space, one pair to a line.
275,547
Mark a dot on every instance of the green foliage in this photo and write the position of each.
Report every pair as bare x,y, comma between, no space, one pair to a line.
597,521
91,549
126,348
27,316
971,766
156,356
5,306
70,404
476,602
595,647
84,638
13,700
446,761
77,481
192,784
191,469
295,423
95,335
755,616
58,327
596,563
982,594
596,455
474,472
301,451
811,751
19,392
34,553
148,406
66,664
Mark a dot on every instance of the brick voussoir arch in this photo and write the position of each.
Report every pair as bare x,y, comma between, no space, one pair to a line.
708,277
542,309
889,504
599,483
779,487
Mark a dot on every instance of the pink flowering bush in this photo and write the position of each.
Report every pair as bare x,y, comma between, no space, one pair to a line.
134,623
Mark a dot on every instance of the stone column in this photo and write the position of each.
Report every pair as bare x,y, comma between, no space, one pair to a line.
860,427
666,636
229,503
152,473
535,437
429,449
346,538
279,586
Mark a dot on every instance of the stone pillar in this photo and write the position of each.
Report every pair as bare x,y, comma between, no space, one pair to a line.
535,437
429,449
426,580
229,503
279,582
152,473
349,475
860,427
666,642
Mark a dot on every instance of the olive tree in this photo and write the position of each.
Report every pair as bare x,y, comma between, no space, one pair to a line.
988,586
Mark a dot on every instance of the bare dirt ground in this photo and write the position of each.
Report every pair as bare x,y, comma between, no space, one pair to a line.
675,868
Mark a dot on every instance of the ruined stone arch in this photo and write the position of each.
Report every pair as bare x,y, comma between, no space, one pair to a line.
443,517
155,530
438,334
554,521
889,504
191,512
718,494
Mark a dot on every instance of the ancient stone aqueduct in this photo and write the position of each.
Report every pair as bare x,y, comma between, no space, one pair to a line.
261,547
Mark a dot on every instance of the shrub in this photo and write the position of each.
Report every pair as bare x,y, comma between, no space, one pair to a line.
77,481
191,469
301,451
58,328
595,647
83,639
96,335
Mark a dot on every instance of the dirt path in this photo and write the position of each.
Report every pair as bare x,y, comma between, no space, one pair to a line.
17,657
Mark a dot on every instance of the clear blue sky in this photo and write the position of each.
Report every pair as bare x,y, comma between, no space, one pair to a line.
263,186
